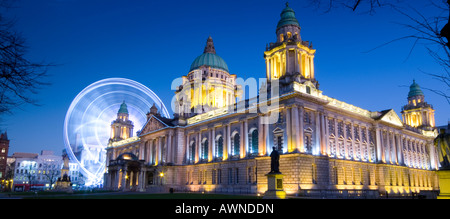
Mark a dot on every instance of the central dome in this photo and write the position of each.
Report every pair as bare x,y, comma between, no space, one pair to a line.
209,58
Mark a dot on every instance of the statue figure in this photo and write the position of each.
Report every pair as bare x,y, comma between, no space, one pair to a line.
66,161
275,161
442,143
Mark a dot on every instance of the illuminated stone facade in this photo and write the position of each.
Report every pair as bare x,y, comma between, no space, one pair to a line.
122,127
328,148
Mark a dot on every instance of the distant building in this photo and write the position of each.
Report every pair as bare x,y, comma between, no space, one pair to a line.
4,146
39,171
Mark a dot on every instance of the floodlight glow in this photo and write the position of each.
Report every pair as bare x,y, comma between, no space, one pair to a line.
88,121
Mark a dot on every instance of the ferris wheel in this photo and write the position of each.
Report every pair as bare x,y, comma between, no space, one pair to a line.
88,121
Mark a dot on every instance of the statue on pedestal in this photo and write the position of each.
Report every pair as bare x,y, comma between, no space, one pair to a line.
275,161
63,183
275,188
442,143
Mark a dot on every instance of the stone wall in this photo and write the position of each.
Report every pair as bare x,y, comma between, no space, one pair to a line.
303,173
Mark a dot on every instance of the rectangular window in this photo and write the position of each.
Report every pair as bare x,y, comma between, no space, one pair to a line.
200,176
219,176
237,175
250,173
230,176
213,177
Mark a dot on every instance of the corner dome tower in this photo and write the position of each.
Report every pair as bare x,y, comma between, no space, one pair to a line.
123,108
290,59
287,17
414,90
418,113
122,127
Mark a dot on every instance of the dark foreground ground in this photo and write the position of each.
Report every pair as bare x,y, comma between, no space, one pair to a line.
118,195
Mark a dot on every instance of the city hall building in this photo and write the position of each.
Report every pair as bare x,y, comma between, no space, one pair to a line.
328,147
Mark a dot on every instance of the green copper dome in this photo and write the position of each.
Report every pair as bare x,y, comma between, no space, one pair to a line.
287,17
209,58
414,90
123,108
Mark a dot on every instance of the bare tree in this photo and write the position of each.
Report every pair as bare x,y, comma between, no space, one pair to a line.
20,77
368,6
432,32
52,175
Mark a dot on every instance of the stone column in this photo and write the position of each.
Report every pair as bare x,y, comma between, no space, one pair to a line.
169,147
267,135
117,178
228,140
198,146
316,150
295,129
158,151
209,146
131,178
141,150
225,143
123,184
187,148
213,143
378,145
352,130
285,62
147,149
301,146
346,153
245,144
288,129
300,64
261,141
324,137
395,145
142,179
387,148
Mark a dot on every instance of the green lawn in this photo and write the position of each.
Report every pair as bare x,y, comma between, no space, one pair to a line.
118,195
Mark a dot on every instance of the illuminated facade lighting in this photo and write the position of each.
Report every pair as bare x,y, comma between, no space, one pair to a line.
218,142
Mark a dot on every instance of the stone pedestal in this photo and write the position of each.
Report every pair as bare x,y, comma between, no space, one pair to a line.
444,184
63,186
275,188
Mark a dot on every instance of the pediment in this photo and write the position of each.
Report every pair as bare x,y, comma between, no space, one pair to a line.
392,118
152,124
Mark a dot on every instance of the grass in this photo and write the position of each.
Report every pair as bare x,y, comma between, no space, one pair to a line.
131,195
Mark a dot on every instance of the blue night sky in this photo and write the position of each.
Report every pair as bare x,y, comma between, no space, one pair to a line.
154,42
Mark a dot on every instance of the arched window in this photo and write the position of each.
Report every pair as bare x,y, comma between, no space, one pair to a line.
308,140
192,151
236,144
219,147
204,154
254,142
